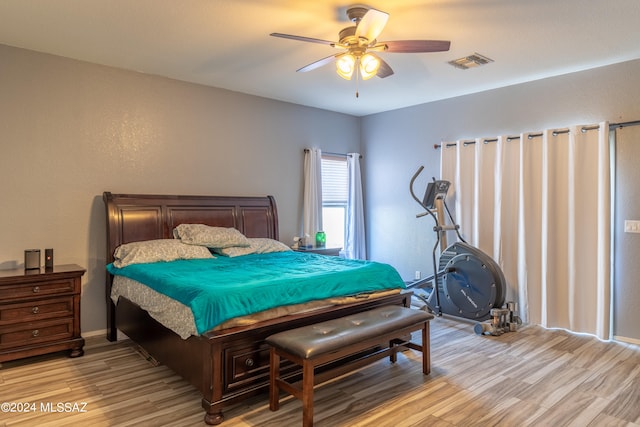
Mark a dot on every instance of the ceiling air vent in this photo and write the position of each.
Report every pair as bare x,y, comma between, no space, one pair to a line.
470,61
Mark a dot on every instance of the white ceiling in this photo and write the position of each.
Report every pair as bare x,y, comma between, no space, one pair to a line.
226,43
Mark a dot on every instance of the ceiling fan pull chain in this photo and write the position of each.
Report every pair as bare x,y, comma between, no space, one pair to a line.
357,79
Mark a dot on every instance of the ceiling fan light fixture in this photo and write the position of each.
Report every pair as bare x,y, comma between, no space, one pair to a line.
369,65
345,65
360,40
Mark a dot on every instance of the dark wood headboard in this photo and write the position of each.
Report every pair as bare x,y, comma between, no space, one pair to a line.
136,217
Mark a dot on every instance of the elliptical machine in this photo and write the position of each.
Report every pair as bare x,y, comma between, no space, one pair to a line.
468,282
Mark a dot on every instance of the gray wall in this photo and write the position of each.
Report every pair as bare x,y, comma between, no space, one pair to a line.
626,317
70,130
395,143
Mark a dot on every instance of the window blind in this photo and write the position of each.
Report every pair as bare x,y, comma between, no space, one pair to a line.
334,180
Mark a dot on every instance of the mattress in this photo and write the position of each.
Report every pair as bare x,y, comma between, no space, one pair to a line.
179,318
216,291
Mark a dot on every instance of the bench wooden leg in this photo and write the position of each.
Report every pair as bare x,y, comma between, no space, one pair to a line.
426,349
393,356
307,393
274,374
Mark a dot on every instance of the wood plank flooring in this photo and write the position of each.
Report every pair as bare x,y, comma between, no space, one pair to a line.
533,377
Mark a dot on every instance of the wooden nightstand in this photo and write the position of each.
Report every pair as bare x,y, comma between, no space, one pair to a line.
40,311
321,251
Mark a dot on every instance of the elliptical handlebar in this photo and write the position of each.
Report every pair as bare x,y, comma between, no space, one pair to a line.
438,307
413,179
413,194
439,224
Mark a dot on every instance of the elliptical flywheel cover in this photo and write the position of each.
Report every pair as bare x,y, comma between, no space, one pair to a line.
470,286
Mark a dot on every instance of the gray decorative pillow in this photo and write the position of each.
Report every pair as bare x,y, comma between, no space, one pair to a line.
156,251
211,237
259,245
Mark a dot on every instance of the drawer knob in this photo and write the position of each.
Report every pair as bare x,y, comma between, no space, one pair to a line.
35,310
249,362
36,289
35,333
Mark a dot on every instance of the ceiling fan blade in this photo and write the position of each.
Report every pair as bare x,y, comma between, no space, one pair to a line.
384,70
303,39
317,64
416,46
372,24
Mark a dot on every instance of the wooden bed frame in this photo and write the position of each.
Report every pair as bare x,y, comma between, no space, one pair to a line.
226,366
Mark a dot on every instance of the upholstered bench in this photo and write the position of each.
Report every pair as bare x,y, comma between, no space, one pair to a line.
382,328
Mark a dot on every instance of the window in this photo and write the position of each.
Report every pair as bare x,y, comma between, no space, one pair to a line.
335,188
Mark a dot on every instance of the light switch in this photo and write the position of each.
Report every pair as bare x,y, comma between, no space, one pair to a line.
631,226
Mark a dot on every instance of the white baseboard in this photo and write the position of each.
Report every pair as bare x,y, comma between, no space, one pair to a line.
90,334
627,340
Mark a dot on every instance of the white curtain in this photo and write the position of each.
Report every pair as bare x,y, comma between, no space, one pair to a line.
540,205
355,240
312,198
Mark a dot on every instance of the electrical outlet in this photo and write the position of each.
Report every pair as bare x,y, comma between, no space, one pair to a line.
417,277
631,226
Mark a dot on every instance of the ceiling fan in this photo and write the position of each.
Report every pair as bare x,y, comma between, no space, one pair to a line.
359,43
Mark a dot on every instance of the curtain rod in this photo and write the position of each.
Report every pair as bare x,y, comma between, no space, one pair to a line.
624,124
306,150
555,133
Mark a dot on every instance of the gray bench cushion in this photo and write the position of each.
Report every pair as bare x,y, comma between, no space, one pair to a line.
312,341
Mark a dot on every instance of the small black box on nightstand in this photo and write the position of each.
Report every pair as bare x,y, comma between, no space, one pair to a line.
48,259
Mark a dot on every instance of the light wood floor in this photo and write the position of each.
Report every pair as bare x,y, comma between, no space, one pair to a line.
533,377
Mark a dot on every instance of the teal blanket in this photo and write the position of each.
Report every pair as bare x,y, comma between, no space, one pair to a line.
220,289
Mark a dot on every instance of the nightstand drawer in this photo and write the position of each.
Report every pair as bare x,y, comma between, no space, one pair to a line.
36,310
37,289
36,332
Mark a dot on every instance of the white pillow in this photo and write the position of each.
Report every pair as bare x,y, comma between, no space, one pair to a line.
156,251
258,245
211,237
